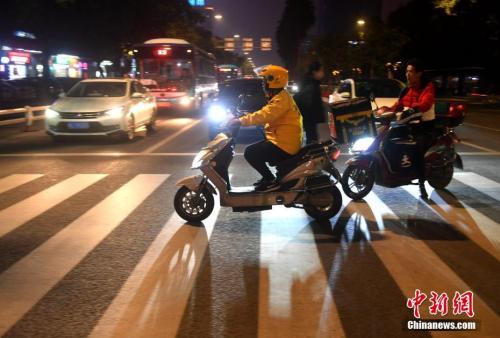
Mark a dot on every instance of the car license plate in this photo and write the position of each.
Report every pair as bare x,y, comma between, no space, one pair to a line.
78,125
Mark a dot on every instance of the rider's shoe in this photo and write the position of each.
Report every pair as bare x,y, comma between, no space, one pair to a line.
423,192
265,185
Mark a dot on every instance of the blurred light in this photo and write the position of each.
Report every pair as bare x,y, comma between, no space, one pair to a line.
185,101
50,114
217,113
236,36
115,112
218,17
362,144
360,22
4,59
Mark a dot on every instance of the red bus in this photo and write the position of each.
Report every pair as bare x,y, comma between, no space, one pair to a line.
179,74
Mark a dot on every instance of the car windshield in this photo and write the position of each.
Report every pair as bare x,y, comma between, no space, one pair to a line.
236,88
98,89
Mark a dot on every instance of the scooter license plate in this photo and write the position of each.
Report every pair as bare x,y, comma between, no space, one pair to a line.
78,125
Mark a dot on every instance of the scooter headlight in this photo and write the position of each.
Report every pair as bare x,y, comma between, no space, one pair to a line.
217,113
362,144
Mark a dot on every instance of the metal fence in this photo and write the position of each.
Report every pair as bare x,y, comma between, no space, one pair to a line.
30,114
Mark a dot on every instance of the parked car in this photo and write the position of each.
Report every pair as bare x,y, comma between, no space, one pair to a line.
102,107
385,91
245,95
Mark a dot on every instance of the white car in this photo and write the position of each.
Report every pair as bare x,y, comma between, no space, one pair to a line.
385,91
102,107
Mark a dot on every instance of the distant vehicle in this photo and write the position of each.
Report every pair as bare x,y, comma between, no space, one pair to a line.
245,95
102,107
385,91
227,72
185,75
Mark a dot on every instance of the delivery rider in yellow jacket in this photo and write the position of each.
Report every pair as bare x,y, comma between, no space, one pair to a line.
282,123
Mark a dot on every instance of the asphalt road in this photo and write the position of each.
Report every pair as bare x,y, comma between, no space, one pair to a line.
90,246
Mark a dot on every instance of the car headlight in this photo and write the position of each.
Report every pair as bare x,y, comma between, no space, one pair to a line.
217,113
115,112
185,101
50,114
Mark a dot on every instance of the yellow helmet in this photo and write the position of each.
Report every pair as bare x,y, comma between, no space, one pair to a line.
275,76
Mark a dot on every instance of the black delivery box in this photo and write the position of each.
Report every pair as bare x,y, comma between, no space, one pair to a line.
352,119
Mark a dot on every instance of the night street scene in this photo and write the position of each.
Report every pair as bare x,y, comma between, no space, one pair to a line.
264,168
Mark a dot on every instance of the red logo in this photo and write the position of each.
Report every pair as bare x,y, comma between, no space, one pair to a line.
462,303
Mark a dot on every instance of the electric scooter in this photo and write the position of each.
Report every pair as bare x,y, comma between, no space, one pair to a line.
390,160
307,181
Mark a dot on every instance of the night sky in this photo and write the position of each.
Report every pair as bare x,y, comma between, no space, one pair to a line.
250,18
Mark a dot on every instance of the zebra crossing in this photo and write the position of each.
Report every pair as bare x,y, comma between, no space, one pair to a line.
302,270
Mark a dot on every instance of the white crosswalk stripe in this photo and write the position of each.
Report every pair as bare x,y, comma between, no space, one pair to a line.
26,282
13,181
20,213
161,283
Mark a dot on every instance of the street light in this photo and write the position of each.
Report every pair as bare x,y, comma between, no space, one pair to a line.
218,17
360,22
236,36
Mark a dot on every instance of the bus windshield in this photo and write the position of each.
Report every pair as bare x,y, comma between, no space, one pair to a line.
168,72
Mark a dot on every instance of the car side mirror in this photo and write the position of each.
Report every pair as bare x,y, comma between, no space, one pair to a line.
345,95
137,95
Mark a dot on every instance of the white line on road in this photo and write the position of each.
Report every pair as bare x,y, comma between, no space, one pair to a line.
13,181
489,150
160,285
27,281
480,126
171,137
25,210
478,182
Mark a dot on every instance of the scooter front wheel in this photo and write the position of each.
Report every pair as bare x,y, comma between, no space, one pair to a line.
326,204
193,206
357,181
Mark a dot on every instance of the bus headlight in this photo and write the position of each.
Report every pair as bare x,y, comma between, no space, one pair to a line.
50,114
217,113
185,101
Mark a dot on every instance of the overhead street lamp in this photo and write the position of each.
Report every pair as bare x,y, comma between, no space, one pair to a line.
360,22
236,36
218,17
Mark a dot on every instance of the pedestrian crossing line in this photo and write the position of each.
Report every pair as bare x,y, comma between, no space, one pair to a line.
478,182
477,227
152,301
27,281
25,210
15,180
413,265
288,253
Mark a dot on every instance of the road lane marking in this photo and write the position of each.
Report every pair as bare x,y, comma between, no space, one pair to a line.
27,281
33,206
470,222
288,257
152,301
480,183
15,180
412,264
489,150
480,126
171,137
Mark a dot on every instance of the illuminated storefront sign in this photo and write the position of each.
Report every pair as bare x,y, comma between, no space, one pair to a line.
19,58
64,65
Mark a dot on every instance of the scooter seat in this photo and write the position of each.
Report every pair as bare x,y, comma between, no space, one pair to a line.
287,165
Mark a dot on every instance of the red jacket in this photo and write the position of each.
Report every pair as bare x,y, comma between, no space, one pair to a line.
418,99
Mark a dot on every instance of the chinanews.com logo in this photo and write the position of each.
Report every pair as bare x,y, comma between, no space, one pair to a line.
438,304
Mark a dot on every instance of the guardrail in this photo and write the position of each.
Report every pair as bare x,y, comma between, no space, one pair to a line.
28,118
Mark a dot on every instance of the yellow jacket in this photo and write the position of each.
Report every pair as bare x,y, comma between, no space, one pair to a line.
282,122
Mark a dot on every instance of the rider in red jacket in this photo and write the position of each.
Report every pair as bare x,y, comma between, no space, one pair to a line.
417,104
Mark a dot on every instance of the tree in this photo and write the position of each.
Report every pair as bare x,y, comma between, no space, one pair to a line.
297,18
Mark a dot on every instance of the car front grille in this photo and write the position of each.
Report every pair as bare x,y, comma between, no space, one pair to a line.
81,115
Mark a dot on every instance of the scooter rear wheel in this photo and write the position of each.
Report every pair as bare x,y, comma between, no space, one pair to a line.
325,211
193,206
357,181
